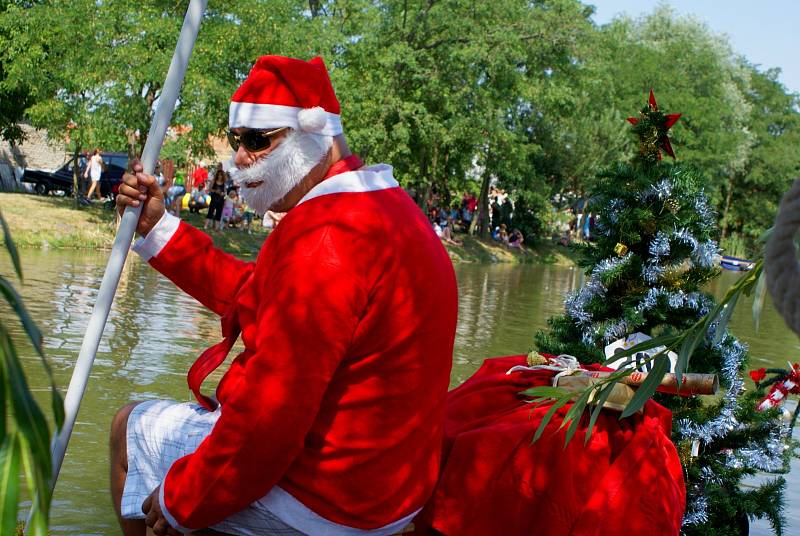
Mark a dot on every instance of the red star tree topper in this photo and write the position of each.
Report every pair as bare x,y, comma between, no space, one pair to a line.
652,126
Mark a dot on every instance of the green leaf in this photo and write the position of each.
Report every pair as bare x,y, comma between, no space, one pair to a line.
648,387
3,400
9,484
549,415
39,485
574,414
725,318
693,339
28,418
15,301
758,300
598,406
57,405
544,391
11,247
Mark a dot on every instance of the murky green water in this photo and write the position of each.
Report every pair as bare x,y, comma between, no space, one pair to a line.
155,332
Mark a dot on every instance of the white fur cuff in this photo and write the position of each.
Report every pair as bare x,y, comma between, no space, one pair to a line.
151,245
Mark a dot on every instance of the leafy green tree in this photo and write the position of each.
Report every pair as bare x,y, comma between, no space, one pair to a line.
695,70
751,196
13,101
445,89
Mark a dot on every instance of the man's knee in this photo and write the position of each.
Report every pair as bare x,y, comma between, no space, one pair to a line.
119,425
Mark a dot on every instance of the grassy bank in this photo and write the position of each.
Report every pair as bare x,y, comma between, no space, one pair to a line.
54,222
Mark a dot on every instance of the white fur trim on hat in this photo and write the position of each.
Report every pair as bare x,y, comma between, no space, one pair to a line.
252,115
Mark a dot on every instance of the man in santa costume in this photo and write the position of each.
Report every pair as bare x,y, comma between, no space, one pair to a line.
330,420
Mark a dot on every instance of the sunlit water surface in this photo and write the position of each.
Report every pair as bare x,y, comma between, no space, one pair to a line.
154,333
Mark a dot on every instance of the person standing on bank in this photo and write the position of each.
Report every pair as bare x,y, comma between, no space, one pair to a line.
94,169
217,192
331,419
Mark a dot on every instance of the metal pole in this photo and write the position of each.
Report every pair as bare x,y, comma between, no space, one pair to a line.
122,242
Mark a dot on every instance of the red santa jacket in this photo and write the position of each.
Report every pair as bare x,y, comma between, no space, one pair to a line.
348,319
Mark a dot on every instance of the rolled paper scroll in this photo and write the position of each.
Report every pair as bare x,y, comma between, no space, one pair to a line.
619,397
691,383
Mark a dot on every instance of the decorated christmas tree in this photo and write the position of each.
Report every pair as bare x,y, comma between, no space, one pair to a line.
654,253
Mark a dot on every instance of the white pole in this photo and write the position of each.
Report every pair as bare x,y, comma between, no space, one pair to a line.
122,242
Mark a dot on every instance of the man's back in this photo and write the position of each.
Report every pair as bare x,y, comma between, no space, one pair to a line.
372,452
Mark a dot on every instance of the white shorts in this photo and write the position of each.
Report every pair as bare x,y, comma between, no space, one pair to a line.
159,433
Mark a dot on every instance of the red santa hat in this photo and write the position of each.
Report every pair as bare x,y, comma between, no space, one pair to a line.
287,92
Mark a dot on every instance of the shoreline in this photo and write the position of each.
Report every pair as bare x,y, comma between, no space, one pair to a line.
52,222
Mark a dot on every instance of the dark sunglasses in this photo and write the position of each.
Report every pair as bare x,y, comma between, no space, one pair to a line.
253,140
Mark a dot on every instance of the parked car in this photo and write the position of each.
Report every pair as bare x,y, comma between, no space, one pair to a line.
60,180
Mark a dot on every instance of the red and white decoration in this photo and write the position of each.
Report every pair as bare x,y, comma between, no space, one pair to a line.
287,92
781,389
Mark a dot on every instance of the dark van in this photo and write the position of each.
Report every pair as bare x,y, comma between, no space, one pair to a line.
60,180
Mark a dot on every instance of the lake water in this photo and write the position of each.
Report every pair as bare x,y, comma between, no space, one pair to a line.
155,332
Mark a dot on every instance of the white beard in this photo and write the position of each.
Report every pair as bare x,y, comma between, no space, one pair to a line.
282,169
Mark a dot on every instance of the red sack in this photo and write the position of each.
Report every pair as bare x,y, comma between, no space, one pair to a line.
626,480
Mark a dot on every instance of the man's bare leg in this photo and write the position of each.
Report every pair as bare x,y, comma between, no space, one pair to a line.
119,469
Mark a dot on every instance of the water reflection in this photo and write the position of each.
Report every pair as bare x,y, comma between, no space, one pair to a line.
155,332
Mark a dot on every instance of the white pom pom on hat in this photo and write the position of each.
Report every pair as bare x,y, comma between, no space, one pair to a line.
312,119
287,92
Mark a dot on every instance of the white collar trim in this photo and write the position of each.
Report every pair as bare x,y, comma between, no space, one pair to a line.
366,179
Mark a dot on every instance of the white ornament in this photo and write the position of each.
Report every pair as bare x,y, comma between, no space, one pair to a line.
638,360
312,119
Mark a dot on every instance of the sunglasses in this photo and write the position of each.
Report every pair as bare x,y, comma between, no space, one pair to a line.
253,140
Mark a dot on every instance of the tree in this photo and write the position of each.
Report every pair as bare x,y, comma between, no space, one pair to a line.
13,101
750,196
680,57
443,88
653,255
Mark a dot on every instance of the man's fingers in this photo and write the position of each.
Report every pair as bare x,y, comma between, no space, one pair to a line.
152,517
150,184
132,191
161,527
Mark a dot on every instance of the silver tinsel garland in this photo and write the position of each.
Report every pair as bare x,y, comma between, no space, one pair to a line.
704,211
697,510
769,457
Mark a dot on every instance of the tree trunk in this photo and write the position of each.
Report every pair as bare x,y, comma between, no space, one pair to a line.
726,210
76,180
483,207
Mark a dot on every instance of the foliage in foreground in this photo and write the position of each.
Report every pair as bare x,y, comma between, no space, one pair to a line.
25,440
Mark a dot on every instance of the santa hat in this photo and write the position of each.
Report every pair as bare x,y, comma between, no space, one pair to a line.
287,92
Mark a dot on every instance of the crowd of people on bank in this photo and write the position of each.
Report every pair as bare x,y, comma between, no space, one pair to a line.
218,196
459,217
